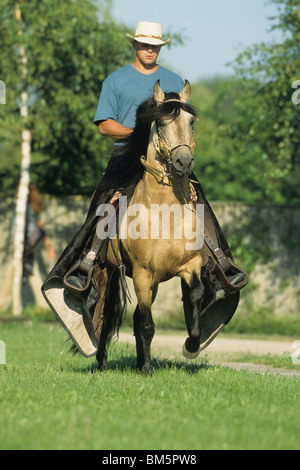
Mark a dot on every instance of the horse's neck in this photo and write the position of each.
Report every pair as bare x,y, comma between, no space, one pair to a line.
169,190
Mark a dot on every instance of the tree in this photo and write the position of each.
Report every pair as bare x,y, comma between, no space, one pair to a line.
70,50
54,58
53,71
268,120
249,148
20,220
71,46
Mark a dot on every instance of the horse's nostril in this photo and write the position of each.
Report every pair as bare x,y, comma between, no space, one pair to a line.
178,161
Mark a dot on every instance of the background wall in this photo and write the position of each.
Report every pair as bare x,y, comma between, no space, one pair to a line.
263,238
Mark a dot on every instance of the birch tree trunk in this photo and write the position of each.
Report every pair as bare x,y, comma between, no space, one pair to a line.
22,197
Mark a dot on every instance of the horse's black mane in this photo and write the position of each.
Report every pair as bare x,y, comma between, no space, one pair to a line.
124,165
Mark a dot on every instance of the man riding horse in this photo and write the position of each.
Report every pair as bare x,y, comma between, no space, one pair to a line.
74,286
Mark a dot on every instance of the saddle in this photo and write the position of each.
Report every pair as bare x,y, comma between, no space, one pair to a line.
232,278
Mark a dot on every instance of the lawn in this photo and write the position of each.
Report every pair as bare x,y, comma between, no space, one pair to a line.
53,400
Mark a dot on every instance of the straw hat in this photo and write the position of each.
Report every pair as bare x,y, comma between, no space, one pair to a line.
148,33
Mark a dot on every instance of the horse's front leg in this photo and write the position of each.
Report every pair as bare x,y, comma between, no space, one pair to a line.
138,338
193,293
102,351
144,327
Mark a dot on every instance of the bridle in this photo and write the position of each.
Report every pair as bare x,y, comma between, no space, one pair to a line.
166,153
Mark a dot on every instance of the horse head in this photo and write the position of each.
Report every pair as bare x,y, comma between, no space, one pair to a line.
175,132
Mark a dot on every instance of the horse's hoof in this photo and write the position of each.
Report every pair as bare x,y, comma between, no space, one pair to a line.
190,354
146,371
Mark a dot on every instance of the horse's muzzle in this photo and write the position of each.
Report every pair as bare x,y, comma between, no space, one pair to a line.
183,162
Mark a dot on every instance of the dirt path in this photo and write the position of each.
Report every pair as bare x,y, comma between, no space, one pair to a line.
220,344
169,346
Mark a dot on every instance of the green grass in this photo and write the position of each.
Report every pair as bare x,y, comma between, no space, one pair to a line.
50,399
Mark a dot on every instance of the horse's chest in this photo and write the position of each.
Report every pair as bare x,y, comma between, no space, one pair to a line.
162,237
161,256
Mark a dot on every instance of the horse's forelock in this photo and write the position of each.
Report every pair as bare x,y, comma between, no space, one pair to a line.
150,111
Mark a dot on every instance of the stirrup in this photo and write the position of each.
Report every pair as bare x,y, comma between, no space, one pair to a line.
77,280
235,279
227,271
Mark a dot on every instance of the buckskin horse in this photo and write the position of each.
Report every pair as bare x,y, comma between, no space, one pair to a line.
161,154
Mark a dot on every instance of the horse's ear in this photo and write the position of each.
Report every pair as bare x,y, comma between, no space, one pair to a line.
158,94
185,92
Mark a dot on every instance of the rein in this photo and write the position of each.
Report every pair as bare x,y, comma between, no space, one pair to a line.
155,171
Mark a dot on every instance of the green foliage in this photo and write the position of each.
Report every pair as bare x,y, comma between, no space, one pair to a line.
69,53
249,147
263,320
249,150
71,47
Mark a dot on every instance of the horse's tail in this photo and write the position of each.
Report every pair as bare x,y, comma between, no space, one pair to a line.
115,306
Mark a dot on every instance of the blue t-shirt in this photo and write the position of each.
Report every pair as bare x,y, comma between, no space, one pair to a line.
124,90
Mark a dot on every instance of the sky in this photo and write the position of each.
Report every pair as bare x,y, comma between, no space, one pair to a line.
215,30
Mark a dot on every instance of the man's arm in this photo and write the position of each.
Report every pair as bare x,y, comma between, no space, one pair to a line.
114,129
